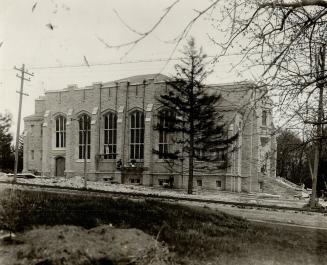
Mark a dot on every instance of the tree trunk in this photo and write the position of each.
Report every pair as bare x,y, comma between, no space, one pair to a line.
190,165
318,142
313,200
191,152
191,159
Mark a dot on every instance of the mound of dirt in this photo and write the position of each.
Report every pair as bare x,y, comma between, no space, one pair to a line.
71,245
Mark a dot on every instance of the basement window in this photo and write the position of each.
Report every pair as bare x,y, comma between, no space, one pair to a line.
162,182
107,178
135,181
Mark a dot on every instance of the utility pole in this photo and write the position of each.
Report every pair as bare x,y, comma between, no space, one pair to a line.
21,93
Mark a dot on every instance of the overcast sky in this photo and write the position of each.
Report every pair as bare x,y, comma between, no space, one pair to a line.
56,57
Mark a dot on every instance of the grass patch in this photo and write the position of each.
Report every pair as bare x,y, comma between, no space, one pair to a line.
195,234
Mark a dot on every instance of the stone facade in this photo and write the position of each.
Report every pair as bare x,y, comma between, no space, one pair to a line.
252,158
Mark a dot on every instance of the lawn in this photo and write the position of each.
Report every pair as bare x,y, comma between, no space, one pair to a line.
196,235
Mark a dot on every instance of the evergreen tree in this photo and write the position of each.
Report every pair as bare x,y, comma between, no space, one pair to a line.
6,158
190,114
20,153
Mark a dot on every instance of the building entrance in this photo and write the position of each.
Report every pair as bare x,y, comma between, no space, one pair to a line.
60,167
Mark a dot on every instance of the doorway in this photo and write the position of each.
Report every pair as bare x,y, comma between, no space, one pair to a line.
60,167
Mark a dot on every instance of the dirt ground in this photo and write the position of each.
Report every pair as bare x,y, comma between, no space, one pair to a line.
71,245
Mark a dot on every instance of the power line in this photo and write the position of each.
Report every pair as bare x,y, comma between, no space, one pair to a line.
128,62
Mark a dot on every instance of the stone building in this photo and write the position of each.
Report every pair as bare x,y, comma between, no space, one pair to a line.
109,128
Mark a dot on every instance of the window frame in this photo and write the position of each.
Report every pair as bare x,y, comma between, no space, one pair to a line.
110,135
163,140
199,181
221,155
60,131
81,136
136,135
220,184
264,117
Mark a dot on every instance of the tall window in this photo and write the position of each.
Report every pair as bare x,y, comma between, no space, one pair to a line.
200,154
110,136
60,131
163,135
221,155
84,137
264,117
137,135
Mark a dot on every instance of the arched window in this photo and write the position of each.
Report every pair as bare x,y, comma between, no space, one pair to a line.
60,131
84,143
110,135
163,134
137,135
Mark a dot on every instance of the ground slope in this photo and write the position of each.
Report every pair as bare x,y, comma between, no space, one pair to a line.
275,186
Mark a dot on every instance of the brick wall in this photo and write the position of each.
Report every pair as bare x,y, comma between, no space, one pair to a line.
123,97
32,159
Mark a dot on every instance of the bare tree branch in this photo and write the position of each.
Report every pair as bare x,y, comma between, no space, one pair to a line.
142,35
295,4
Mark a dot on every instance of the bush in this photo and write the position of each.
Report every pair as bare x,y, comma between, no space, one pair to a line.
12,211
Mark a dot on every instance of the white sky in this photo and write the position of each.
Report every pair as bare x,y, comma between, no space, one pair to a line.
77,26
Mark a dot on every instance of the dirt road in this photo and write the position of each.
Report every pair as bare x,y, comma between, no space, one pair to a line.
298,218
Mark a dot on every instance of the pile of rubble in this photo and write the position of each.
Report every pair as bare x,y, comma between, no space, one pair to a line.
73,245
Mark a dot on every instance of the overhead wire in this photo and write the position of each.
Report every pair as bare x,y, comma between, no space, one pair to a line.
122,62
